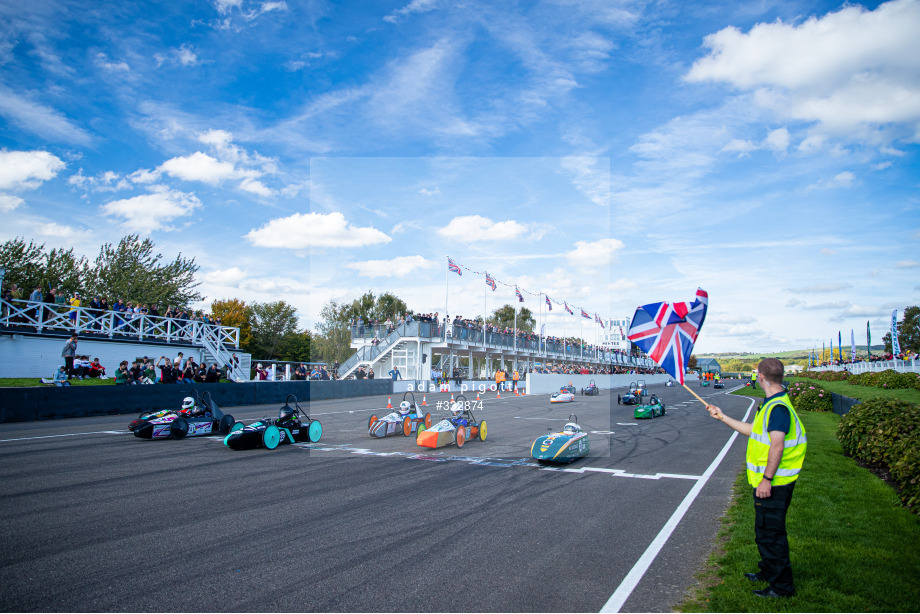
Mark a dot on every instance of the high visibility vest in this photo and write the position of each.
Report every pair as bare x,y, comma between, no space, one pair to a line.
753,376
759,446
500,376
515,377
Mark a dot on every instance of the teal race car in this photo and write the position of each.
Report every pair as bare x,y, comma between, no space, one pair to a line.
563,447
653,409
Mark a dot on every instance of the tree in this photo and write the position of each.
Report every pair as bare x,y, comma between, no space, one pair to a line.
130,271
692,363
271,322
334,339
30,266
296,346
236,313
908,331
504,317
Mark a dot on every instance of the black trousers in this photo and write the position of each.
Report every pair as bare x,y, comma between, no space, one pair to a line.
770,535
68,366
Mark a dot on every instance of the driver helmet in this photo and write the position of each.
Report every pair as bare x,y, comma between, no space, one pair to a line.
188,404
285,413
404,407
571,427
456,409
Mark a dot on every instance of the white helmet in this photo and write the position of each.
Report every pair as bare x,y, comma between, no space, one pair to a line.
188,403
404,407
571,427
457,408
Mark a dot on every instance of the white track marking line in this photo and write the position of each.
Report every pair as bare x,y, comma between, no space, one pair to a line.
629,583
125,432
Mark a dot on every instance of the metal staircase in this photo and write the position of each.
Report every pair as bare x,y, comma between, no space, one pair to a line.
369,354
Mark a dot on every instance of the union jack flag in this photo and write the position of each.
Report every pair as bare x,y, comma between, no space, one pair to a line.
549,303
585,314
454,267
599,321
518,293
567,308
490,282
666,332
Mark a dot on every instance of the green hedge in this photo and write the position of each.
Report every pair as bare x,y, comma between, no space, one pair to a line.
890,379
886,433
808,397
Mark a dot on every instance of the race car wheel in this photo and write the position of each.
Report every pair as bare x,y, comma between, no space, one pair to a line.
460,436
427,420
226,423
420,429
407,426
271,437
370,423
315,431
178,428
237,426
483,430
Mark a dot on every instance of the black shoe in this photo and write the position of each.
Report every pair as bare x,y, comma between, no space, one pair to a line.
754,577
769,592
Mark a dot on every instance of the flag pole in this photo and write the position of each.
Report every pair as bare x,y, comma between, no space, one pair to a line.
696,395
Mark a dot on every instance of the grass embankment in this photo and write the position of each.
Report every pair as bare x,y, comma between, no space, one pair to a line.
854,548
857,392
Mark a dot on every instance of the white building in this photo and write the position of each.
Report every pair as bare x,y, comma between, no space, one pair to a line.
615,334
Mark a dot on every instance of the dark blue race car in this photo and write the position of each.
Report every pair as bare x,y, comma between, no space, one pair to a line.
293,425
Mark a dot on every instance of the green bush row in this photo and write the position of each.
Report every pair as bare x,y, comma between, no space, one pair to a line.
808,397
886,433
889,378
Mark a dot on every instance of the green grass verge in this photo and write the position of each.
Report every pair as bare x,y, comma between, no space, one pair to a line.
20,382
853,547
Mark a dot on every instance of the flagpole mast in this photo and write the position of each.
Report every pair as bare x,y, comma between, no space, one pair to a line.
446,297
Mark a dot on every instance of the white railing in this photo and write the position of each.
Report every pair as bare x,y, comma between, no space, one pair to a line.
43,317
902,366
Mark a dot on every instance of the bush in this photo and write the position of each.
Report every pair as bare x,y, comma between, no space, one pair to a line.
889,378
807,397
826,376
886,433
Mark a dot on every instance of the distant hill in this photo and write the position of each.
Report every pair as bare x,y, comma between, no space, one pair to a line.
790,355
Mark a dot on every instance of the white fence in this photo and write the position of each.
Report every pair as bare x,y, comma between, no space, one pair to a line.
902,366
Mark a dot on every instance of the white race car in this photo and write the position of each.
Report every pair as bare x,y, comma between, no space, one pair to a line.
566,394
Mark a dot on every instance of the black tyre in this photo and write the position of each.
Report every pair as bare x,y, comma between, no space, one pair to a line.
226,423
178,429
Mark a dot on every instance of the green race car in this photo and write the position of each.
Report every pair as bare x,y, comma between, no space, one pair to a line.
653,409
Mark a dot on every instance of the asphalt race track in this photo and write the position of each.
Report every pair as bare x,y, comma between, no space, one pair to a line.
95,519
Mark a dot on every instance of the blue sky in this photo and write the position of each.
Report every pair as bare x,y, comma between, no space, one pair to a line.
607,153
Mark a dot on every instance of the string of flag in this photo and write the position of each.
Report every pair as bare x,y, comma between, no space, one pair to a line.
455,267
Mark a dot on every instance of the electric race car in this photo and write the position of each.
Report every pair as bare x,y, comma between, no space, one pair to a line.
562,447
566,394
718,384
653,409
458,428
592,390
405,419
292,426
633,396
196,418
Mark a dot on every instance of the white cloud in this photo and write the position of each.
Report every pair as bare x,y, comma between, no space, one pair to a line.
740,146
596,253
843,179
154,211
778,140
200,167
52,229
881,165
591,177
478,228
8,202
103,62
310,230
850,71
429,191
416,6
184,55
401,266
38,119
26,170
907,264
826,251
225,277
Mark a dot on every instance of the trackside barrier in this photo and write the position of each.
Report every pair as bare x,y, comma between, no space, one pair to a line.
48,403
843,404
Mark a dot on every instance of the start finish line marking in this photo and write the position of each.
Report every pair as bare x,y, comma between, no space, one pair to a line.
492,462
